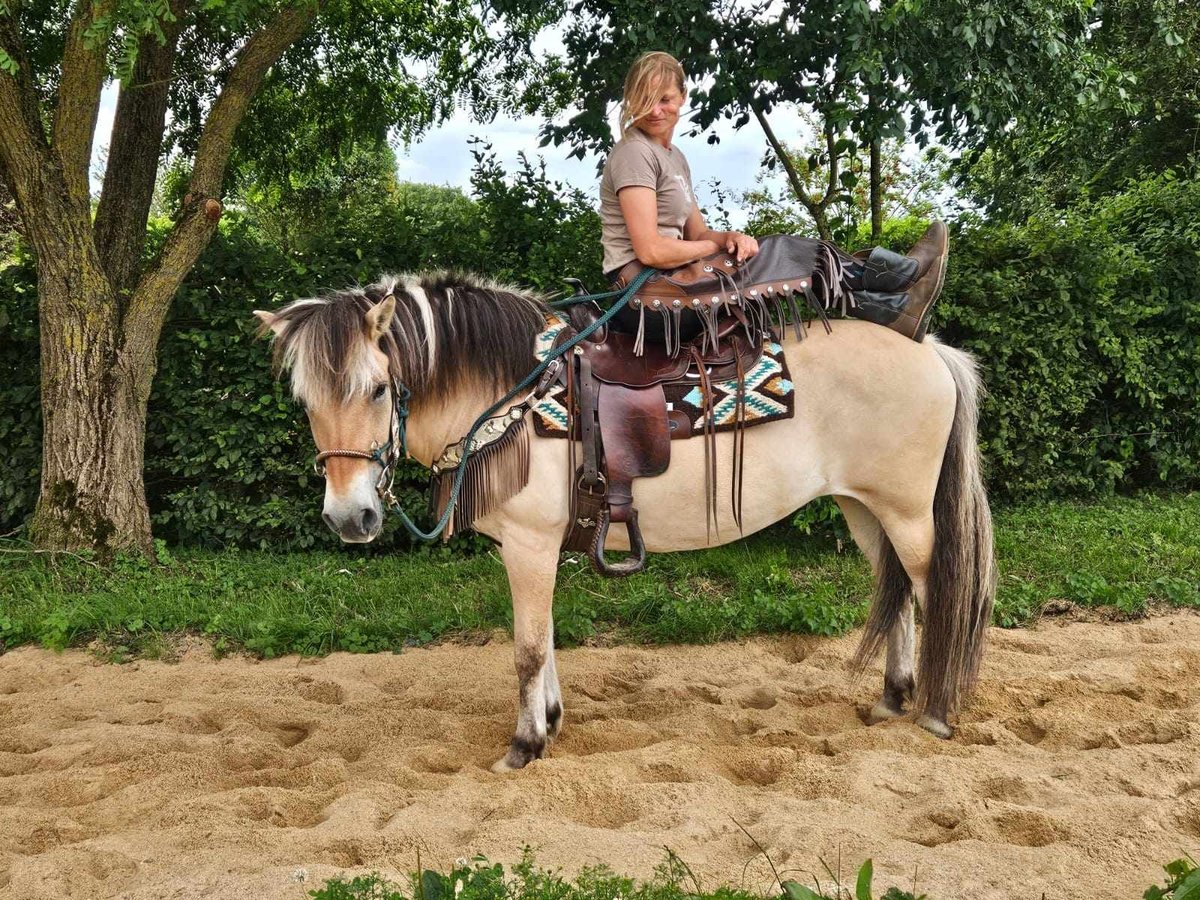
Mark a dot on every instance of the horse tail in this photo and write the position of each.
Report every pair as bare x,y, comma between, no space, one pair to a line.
961,584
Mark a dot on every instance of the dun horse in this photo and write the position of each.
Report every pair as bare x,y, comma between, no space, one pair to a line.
884,425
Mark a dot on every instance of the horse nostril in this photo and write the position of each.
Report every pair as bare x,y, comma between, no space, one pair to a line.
368,520
329,521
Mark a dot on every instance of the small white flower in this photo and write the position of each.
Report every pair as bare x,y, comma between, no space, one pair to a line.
300,875
458,887
461,863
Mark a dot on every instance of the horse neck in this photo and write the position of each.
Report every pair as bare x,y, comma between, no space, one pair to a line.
433,426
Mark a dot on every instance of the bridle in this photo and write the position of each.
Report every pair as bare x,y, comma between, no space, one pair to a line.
389,454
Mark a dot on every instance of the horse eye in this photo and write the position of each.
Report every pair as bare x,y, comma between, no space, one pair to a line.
378,392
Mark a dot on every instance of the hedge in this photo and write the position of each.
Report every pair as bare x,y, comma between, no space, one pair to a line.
1086,324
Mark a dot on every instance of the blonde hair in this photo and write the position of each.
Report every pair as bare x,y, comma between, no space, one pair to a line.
644,85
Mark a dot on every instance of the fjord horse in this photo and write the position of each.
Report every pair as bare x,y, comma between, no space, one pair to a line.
885,425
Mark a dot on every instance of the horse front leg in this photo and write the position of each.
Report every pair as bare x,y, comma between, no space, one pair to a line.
553,692
532,565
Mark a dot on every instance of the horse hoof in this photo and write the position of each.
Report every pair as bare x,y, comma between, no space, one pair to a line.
520,754
501,766
882,712
936,727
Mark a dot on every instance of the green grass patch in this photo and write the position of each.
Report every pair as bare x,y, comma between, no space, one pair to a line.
478,879
1122,555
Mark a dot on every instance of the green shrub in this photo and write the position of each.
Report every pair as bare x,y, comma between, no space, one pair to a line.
1086,324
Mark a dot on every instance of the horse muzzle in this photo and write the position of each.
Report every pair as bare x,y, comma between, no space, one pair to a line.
354,523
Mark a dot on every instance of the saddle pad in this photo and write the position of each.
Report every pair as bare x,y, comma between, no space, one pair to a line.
769,394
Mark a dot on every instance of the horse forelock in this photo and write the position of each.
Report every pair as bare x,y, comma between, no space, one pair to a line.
447,330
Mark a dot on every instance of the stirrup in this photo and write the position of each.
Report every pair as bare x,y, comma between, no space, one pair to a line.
631,564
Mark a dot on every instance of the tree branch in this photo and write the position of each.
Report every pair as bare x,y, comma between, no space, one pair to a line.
815,209
833,166
198,219
78,101
133,155
10,41
24,153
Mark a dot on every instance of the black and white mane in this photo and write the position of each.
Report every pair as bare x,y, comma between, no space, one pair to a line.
449,330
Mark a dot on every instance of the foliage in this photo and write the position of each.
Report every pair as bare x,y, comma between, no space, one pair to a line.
908,188
960,69
477,879
793,890
20,413
1087,325
1183,882
226,449
1141,120
334,71
537,230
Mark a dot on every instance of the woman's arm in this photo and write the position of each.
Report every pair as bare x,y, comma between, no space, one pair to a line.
639,207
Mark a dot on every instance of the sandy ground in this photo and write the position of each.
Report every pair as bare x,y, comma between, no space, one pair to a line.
1075,770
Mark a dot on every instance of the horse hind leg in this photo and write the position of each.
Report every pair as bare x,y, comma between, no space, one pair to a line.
912,538
891,620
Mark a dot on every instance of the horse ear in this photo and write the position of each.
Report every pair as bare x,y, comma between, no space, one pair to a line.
269,322
379,317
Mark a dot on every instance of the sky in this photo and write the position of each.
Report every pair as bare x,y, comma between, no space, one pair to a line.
443,156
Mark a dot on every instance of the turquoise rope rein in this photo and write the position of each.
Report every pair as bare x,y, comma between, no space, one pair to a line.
624,295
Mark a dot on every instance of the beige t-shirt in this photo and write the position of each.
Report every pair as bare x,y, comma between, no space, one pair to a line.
638,160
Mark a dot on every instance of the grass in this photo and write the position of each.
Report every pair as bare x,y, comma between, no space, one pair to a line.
1120,555
478,879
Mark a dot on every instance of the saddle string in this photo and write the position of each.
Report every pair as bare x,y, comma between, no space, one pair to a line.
739,445
710,449
572,457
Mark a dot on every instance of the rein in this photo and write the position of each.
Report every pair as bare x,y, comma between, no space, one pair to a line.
397,446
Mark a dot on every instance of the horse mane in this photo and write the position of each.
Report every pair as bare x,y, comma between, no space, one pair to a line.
450,330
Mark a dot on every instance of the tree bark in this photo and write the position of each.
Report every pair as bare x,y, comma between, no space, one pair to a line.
94,423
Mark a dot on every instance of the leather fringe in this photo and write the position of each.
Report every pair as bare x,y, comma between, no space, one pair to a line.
495,474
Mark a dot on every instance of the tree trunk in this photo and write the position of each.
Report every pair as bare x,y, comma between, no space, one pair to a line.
93,415
876,192
99,330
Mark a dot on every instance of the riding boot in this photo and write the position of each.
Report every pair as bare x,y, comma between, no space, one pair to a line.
899,291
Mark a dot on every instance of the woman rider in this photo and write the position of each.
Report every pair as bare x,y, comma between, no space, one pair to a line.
649,215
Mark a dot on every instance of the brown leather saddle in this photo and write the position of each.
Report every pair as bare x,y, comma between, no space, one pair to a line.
615,399
619,416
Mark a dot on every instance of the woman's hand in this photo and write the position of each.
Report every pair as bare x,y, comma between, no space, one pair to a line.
742,246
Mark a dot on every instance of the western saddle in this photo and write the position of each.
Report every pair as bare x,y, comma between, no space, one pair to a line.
616,404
